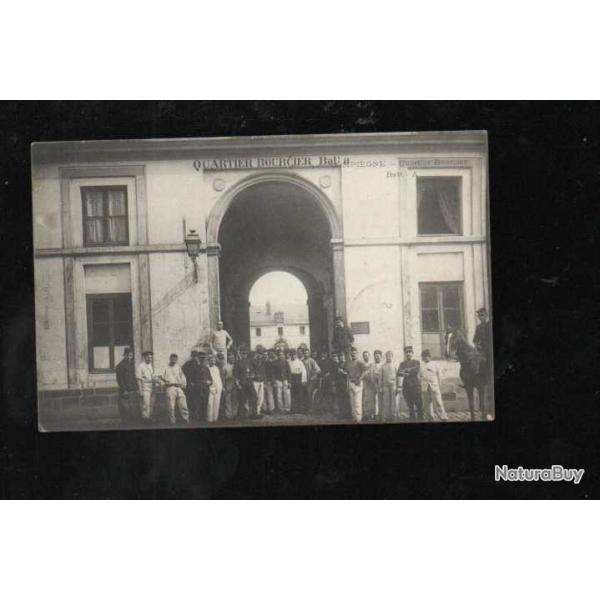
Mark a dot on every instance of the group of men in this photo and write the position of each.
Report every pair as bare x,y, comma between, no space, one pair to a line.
225,384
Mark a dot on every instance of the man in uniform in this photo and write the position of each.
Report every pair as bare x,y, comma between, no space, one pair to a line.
259,378
191,370
220,341
312,376
483,342
243,371
298,380
128,385
205,382
229,391
342,337
146,380
411,386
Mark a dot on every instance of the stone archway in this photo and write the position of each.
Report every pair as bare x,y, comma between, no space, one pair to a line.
275,221
236,310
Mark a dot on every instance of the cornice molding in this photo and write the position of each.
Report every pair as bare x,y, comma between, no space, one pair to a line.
180,148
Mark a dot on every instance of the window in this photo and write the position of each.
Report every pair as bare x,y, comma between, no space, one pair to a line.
110,329
105,220
441,306
280,331
258,332
302,330
439,206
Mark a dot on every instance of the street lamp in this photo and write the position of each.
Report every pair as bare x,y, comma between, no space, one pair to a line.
193,243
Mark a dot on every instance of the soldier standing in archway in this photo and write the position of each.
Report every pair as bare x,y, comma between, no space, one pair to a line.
342,338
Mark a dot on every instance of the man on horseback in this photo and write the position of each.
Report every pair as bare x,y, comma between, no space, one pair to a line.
472,371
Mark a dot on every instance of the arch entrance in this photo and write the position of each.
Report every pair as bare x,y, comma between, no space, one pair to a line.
275,223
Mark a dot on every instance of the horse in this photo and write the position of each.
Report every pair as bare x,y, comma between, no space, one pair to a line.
472,368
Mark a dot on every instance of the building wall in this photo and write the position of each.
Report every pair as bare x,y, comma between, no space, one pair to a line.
268,337
384,259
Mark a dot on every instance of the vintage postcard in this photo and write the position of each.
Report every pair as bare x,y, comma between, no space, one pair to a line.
254,281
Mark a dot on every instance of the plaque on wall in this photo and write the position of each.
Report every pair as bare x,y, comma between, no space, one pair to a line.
360,327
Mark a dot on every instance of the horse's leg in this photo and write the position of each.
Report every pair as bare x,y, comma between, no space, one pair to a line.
469,389
481,393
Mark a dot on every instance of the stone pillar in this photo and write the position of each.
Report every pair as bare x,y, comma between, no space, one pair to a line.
339,278
241,321
318,324
213,252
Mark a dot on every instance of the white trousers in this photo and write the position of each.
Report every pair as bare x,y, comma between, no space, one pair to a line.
259,388
433,403
175,396
356,401
214,402
147,402
283,399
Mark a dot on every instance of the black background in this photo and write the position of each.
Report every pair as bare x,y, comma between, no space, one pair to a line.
545,196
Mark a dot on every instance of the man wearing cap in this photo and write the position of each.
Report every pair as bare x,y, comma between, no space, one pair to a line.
483,342
356,370
280,371
215,390
206,381
312,377
192,374
431,386
220,341
411,386
259,378
298,380
243,371
128,385
390,384
230,399
146,379
483,334
175,382
342,337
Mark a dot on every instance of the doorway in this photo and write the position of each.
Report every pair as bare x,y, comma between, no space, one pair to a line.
277,225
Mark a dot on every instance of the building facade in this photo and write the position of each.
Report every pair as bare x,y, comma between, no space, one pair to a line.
388,231
279,324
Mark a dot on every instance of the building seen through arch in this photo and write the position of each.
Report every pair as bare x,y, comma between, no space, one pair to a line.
279,312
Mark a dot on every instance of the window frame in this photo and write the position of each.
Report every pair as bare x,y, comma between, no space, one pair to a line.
105,214
258,331
280,331
302,329
439,288
460,215
89,298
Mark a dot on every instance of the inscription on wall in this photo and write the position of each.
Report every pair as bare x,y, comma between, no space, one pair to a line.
360,327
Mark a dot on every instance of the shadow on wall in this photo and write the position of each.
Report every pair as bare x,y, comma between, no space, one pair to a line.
175,292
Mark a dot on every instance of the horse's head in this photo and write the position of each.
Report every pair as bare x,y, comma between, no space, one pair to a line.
456,344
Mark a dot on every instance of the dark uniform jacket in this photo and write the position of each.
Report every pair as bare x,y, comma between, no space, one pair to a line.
409,370
197,375
243,370
280,370
126,379
483,338
342,339
260,368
